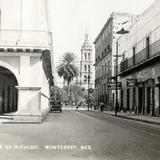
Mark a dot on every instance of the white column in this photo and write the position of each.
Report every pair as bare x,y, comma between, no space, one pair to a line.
29,105
25,70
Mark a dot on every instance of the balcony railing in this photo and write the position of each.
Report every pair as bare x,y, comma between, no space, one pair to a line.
141,57
21,38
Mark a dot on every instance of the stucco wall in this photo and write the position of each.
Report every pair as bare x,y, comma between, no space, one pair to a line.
14,61
31,74
148,24
38,79
36,73
16,14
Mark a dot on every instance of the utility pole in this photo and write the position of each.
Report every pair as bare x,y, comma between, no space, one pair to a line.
116,104
88,86
122,31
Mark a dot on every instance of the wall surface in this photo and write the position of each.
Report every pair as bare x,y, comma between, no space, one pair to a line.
28,15
146,25
24,39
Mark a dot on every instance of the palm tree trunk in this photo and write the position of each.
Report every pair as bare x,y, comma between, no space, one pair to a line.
63,82
68,91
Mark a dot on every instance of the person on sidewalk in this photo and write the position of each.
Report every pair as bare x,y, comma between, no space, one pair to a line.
116,108
101,106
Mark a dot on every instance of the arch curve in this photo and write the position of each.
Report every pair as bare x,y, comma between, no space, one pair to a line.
11,68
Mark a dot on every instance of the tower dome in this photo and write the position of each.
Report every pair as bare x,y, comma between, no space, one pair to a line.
86,44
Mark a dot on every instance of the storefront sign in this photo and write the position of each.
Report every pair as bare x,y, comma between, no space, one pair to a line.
156,85
131,82
112,85
149,82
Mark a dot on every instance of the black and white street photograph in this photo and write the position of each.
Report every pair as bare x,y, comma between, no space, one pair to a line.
79,80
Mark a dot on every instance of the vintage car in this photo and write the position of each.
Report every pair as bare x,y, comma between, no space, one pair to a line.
55,105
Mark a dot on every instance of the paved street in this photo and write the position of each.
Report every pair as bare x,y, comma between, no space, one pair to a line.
80,135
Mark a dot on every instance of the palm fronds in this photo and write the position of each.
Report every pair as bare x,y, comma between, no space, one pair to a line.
67,68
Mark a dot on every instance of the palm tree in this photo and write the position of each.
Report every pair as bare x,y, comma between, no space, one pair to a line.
67,68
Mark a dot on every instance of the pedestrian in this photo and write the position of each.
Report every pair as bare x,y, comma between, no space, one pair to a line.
116,108
101,106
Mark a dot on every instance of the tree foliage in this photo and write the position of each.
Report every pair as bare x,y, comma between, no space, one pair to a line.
79,95
58,93
67,67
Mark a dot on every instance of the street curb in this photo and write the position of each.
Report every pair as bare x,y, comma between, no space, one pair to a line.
130,118
137,119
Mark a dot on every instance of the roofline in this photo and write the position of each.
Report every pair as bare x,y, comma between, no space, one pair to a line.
108,21
104,27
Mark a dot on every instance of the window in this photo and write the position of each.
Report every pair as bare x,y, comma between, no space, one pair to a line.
102,70
102,54
89,78
89,56
89,68
108,47
105,51
123,56
134,53
147,47
85,56
85,78
85,68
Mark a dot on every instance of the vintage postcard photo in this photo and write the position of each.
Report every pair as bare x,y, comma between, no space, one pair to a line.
79,79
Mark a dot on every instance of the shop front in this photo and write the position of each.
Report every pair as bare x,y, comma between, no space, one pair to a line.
141,91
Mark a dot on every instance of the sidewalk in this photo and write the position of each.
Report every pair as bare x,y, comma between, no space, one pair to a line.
132,116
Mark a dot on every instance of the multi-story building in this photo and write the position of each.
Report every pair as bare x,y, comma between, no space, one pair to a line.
25,60
140,67
86,64
105,48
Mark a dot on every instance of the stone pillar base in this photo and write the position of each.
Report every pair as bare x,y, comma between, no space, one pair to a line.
27,119
29,100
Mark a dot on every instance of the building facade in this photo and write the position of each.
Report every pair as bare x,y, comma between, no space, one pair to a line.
105,49
86,65
25,60
140,67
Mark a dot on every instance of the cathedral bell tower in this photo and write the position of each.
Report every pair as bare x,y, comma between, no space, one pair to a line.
86,69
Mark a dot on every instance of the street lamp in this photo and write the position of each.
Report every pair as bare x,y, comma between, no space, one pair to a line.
122,31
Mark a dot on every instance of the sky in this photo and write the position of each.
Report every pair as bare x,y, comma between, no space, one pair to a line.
70,18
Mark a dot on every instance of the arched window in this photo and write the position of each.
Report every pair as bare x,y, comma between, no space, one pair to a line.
89,68
85,78
89,78
89,56
85,56
85,68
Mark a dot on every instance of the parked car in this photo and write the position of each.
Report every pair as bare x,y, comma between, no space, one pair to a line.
55,105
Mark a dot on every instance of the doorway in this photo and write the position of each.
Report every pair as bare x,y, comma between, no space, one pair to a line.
8,91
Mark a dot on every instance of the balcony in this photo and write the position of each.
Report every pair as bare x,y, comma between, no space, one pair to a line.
25,39
144,57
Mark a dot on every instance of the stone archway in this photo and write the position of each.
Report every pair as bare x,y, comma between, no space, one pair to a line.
8,91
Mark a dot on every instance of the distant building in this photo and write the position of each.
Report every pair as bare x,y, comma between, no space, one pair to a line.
86,65
105,49
25,60
140,67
